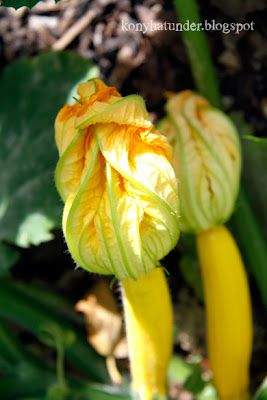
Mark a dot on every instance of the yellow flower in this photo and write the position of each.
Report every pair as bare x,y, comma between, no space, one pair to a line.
115,177
206,160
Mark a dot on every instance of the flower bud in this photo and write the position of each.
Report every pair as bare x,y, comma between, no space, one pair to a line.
206,160
116,179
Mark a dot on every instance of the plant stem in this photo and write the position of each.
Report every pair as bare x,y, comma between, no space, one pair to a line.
244,220
228,308
198,52
148,316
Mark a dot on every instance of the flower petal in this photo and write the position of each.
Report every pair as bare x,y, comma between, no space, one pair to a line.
128,110
150,177
83,204
117,232
70,167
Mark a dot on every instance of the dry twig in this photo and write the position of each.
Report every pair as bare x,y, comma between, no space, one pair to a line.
74,31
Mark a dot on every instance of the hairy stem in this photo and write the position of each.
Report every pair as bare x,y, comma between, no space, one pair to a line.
148,317
229,318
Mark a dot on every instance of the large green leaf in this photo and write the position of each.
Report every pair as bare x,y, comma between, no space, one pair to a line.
254,166
255,175
20,3
8,257
32,92
246,226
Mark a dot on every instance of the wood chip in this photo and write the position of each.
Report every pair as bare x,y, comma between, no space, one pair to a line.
74,31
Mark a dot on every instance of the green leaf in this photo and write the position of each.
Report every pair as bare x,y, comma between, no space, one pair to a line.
24,311
28,377
35,229
254,166
8,257
261,393
10,349
190,376
58,392
255,175
179,370
20,3
254,138
38,382
194,382
250,204
50,300
208,393
32,93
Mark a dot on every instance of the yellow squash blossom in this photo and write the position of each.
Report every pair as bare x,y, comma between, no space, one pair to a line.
121,215
207,162
116,179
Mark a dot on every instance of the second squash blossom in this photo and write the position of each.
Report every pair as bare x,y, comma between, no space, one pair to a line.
115,177
207,160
